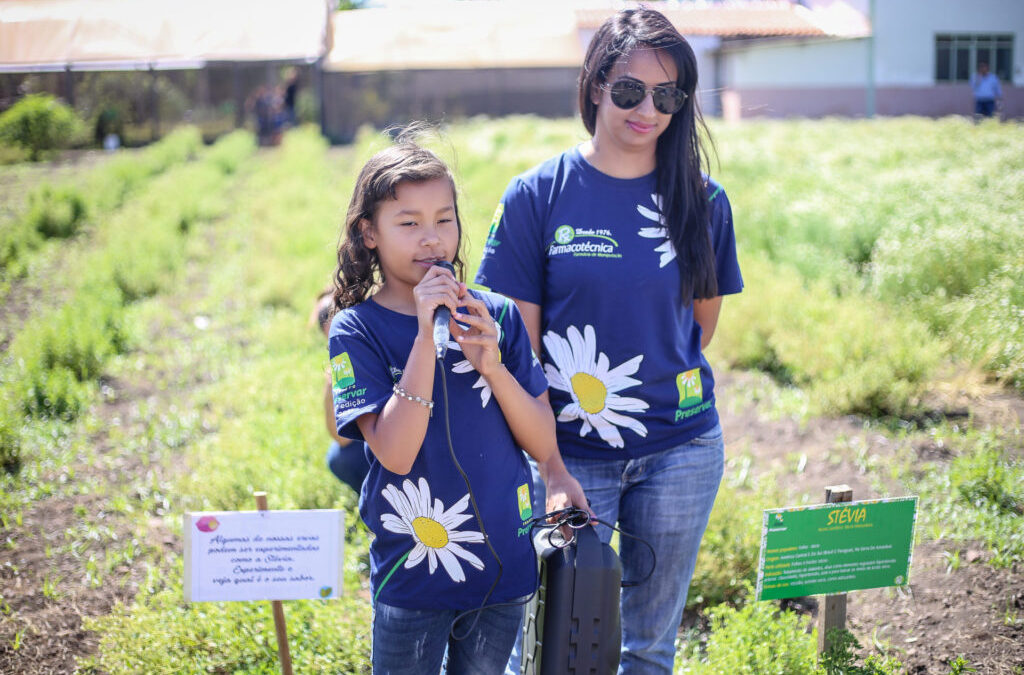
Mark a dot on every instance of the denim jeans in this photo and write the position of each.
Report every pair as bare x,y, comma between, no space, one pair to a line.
418,641
348,464
665,499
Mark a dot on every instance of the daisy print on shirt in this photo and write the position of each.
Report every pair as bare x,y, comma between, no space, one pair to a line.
464,366
432,529
584,373
665,248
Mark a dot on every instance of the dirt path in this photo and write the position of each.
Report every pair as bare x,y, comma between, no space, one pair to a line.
47,584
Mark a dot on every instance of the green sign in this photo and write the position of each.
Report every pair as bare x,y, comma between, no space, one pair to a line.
834,548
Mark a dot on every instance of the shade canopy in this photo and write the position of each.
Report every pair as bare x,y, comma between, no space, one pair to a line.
119,34
456,36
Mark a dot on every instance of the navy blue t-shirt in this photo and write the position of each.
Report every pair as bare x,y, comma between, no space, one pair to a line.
621,351
428,551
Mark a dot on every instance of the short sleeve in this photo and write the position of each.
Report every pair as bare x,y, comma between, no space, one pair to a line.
517,354
723,241
513,260
360,380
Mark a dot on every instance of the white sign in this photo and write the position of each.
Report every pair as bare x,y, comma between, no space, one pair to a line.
263,555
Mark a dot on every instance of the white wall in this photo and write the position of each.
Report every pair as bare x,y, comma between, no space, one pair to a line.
905,34
796,63
904,47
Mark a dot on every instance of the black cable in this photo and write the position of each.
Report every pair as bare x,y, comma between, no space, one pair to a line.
476,510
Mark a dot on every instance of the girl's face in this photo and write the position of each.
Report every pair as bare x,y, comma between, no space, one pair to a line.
413,231
636,129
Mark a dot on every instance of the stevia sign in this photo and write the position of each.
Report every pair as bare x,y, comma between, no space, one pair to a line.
263,555
835,548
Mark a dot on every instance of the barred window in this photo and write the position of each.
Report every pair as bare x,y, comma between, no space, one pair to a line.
957,56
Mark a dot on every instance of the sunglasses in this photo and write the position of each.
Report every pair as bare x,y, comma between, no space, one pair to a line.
627,93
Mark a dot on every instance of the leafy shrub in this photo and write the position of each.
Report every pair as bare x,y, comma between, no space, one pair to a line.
729,550
841,658
756,639
852,355
77,337
978,497
39,123
52,392
56,212
10,435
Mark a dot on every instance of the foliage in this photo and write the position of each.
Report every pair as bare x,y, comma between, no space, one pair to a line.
727,562
10,436
841,658
39,123
924,215
755,639
803,334
56,212
979,496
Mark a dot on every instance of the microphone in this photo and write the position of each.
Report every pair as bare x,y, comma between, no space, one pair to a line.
442,315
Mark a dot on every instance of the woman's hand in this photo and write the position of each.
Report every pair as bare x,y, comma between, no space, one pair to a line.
438,287
479,342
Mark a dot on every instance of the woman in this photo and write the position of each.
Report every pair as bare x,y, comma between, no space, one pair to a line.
618,253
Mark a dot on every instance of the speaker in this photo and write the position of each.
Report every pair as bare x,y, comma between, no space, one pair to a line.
572,626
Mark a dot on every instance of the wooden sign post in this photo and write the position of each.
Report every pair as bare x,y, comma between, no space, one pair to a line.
283,653
833,610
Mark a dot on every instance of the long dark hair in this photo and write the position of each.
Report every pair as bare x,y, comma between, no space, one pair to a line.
358,268
680,155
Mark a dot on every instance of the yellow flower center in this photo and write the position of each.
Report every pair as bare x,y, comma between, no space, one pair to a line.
590,391
430,532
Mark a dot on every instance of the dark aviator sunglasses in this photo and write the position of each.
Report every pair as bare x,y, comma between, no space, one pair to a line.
627,93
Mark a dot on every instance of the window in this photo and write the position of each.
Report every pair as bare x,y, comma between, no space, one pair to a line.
957,56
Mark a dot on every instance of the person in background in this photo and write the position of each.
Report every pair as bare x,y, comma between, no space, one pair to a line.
345,459
987,92
618,253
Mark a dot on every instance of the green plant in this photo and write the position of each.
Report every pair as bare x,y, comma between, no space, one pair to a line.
755,639
960,665
56,212
39,123
841,657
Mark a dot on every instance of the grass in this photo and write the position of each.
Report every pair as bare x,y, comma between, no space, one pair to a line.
822,211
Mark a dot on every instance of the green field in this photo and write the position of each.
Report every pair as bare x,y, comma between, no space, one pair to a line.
158,359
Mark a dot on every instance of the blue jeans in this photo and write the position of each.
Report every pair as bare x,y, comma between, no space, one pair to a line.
418,641
348,464
665,499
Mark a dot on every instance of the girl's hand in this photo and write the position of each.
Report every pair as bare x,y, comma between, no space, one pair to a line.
438,287
479,342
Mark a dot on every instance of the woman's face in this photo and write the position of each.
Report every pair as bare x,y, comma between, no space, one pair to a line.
637,129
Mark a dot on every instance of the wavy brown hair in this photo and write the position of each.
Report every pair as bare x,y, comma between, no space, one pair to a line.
358,270
680,156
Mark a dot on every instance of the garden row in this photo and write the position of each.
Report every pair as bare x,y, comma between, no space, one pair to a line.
135,249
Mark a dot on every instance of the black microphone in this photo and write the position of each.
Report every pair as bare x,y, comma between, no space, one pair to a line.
442,315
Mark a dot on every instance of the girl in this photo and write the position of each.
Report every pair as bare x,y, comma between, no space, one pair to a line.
449,506
618,253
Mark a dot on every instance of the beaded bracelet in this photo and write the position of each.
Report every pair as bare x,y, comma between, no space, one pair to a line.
429,405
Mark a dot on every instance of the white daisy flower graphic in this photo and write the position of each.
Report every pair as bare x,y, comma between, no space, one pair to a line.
665,248
432,528
464,366
581,371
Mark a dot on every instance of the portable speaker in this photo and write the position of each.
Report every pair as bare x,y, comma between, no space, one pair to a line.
572,626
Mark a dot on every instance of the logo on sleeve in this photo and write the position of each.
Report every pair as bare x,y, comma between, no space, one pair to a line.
691,394
492,234
580,242
341,369
525,505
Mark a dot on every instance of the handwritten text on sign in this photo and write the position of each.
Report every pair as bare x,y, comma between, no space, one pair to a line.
834,548
263,555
